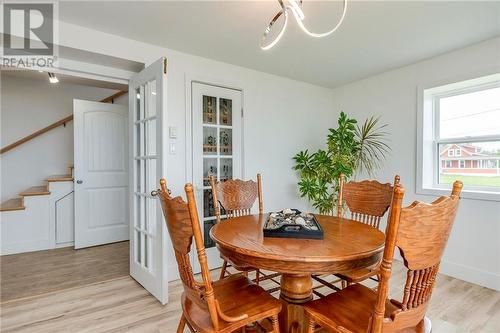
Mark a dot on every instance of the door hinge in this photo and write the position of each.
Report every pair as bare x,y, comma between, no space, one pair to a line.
165,65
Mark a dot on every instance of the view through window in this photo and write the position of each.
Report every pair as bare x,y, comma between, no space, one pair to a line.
468,138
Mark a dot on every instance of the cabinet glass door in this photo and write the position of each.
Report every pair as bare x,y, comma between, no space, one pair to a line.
216,149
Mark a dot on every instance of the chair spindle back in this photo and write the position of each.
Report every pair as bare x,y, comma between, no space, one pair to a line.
367,200
183,225
236,196
420,232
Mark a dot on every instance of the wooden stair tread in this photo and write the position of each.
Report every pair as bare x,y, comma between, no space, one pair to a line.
12,204
35,190
60,178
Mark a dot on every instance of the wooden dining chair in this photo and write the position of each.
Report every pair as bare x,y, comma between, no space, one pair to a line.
367,202
223,306
233,198
420,232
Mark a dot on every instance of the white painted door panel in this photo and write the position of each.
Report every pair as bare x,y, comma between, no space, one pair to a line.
101,173
65,221
148,235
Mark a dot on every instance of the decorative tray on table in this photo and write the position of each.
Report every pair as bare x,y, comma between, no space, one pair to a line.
292,223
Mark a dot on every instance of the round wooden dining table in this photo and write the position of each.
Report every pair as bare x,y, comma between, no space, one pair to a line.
346,245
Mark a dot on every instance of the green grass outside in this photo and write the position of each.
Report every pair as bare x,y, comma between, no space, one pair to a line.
471,180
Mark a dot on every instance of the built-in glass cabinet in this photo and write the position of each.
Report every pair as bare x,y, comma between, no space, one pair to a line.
216,145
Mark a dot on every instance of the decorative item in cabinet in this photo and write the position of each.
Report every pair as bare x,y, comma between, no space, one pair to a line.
225,111
210,140
226,142
208,204
207,225
209,168
226,169
209,113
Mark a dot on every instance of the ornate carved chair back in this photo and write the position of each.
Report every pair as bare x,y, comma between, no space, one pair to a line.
420,232
183,225
367,200
236,196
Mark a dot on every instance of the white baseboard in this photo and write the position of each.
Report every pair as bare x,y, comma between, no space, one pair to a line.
67,244
23,247
466,273
471,274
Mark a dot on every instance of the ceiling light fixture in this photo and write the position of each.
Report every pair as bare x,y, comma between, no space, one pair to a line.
295,6
53,78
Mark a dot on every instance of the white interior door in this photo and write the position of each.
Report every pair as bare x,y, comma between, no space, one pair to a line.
101,173
217,149
147,107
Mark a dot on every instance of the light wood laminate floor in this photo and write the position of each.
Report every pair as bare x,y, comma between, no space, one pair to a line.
122,305
40,272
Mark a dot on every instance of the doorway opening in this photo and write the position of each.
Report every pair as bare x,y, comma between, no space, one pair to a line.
42,124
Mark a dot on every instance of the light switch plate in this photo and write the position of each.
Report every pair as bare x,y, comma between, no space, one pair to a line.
172,148
172,132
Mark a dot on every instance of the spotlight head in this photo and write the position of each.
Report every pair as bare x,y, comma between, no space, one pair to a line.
53,78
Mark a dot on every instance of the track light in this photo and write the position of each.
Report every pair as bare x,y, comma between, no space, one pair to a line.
53,78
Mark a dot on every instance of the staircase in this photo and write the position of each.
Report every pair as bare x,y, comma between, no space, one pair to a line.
18,203
40,218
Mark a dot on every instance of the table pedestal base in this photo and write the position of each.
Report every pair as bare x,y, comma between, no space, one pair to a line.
295,290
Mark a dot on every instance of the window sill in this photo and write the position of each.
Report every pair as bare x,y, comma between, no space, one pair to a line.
466,194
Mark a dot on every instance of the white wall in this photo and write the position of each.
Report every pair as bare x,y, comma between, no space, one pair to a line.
473,252
28,105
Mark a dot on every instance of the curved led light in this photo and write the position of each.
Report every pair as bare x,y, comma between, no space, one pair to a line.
284,12
295,7
319,35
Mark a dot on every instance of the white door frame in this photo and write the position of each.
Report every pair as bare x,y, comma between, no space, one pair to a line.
191,78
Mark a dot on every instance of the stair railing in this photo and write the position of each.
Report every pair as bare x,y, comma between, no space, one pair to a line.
54,125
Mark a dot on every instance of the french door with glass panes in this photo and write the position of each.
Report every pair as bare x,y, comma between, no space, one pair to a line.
217,150
147,109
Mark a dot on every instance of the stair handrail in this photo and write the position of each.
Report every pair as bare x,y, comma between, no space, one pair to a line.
54,125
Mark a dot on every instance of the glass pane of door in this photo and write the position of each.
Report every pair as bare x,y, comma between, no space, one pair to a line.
145,173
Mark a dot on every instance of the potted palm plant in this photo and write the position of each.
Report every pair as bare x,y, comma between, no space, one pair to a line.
350,149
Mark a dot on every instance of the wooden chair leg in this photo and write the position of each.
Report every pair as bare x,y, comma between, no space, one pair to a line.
276,325
344,284
223,270
311,326
182,324
257,276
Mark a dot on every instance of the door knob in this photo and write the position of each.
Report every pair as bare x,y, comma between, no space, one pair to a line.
79,181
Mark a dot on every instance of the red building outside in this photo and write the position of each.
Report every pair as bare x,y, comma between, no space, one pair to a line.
467,159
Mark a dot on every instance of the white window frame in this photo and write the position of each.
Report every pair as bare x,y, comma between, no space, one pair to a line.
428,138
458,152
451,152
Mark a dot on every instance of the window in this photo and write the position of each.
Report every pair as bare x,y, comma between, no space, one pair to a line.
463,120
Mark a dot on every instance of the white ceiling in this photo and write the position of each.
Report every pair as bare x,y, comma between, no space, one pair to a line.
375,36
